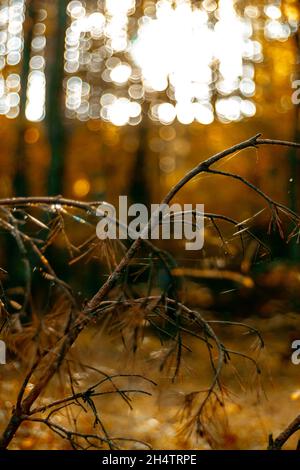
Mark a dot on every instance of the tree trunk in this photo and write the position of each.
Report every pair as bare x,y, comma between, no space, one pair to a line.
54,105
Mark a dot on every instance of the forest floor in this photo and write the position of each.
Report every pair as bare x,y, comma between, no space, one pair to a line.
255,406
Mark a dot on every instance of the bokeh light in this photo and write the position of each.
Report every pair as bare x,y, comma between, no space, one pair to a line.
168,60
12,16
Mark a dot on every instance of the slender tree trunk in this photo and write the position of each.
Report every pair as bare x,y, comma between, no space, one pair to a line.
294,166
54,104
138,191
19,181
